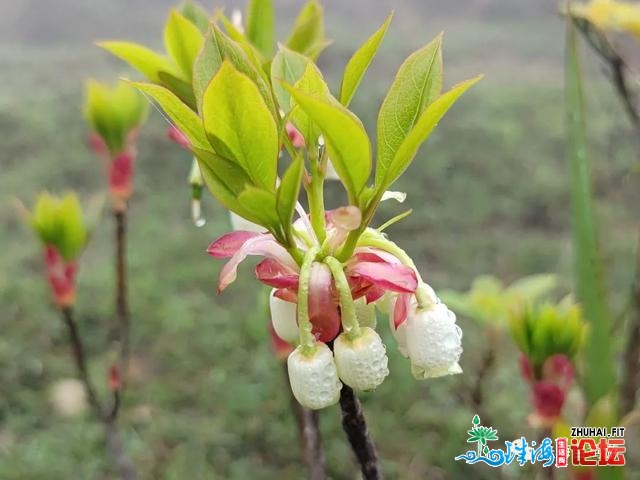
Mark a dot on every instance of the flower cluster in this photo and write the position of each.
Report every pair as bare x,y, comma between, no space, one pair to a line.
115,115
59,224
280,132
327,307
549,337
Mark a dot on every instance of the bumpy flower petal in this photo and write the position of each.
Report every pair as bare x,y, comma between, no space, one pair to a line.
434,342
361,363
264,245
314,378
283,318
323,309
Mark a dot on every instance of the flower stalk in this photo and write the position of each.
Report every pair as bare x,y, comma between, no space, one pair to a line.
355,427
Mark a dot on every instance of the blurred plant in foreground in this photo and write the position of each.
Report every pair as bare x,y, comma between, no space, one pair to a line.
489,304
58,223
115,115
62,228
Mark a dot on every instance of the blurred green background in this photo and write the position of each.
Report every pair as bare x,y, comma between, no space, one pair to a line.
208,399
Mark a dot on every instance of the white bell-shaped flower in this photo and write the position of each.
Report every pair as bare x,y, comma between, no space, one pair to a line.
314,377
240,223
366,313
434,342
362,362
284,318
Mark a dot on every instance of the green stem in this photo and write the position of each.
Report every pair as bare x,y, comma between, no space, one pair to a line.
348,309
315,194
352,240
307,339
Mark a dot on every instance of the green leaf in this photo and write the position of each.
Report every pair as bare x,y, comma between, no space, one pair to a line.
183,42
359,63
346,140
599,376
416,85
261,204
219,47
311,83
185,119
213,172
388,171
146,61
287,66
240,126
308,30
260,25
182,89
73,232
289,190
196,15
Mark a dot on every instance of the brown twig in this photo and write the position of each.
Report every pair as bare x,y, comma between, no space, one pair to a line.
122,302
631,358
355,426
118,454
487,362
80,360
617,66
309,430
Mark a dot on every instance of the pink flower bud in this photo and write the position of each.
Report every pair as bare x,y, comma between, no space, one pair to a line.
314,377
362,362
115,382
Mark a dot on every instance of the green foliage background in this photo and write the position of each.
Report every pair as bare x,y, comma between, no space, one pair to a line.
208,399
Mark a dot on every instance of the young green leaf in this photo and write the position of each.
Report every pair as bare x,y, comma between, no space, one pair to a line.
180,88
215,171
417,84
260,25
261,204
183,42
288,191
346,139
219,47
406,151
310,83
287,66
196,15
359,63
146,61
240,126
599,378
308,30
185,119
